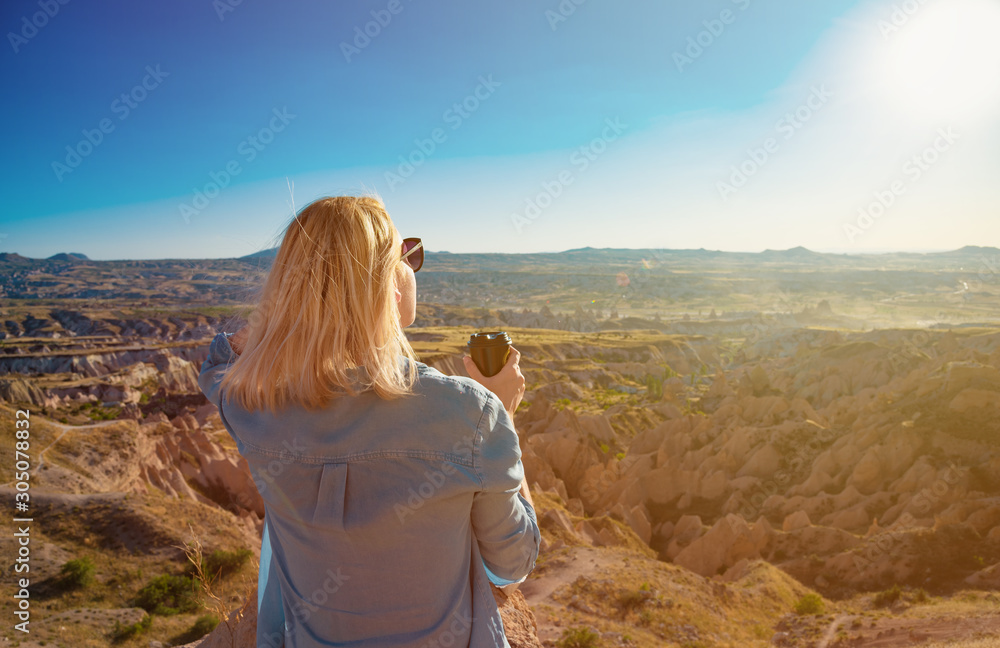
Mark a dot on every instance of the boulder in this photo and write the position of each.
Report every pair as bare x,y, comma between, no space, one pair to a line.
796,520
726,543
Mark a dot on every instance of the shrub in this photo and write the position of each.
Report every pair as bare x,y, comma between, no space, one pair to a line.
810,603
122,632
654,387
78,572
628,601
168,594
205,624
221,562
202,626
99,413
578,638
888,597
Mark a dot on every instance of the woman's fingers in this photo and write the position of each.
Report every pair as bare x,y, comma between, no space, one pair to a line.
473,370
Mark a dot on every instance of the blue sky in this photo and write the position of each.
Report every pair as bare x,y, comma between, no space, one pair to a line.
529,126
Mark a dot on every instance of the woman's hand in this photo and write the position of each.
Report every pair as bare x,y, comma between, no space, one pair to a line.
508,385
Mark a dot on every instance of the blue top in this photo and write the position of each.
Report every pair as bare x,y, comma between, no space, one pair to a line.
382,518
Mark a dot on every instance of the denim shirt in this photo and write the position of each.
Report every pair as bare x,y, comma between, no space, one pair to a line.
385,521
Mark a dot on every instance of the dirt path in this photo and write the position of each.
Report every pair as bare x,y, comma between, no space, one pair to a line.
831,632
66,428
562,570
903,632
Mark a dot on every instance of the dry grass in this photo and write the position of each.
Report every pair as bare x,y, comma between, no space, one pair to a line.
986,642
214,603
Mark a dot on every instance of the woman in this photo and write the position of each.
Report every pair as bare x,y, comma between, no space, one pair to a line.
389,488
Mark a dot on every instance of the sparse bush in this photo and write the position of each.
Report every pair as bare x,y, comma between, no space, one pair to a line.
654,387
562,403
202,626
628,601
810,603
205,624
605,448
78,572
99,413
168,594
920,596
578,638
221,562
121,632
888,597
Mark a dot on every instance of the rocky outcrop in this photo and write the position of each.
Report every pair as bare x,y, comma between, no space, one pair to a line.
19,390
184,461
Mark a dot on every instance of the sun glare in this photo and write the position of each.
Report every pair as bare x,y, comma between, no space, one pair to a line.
942,59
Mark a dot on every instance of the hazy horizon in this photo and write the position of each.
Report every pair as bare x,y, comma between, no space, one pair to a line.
429,251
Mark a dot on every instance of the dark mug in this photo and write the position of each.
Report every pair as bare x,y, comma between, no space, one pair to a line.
489,351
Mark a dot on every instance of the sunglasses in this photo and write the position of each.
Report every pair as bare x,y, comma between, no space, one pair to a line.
413,253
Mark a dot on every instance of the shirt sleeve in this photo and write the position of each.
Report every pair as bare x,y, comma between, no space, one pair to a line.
220,356
504,523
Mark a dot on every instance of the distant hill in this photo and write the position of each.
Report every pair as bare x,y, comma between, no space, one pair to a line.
973,250
269,253
795,253
68,256
13,257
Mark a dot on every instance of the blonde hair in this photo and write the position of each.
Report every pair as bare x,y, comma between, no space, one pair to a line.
327,306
